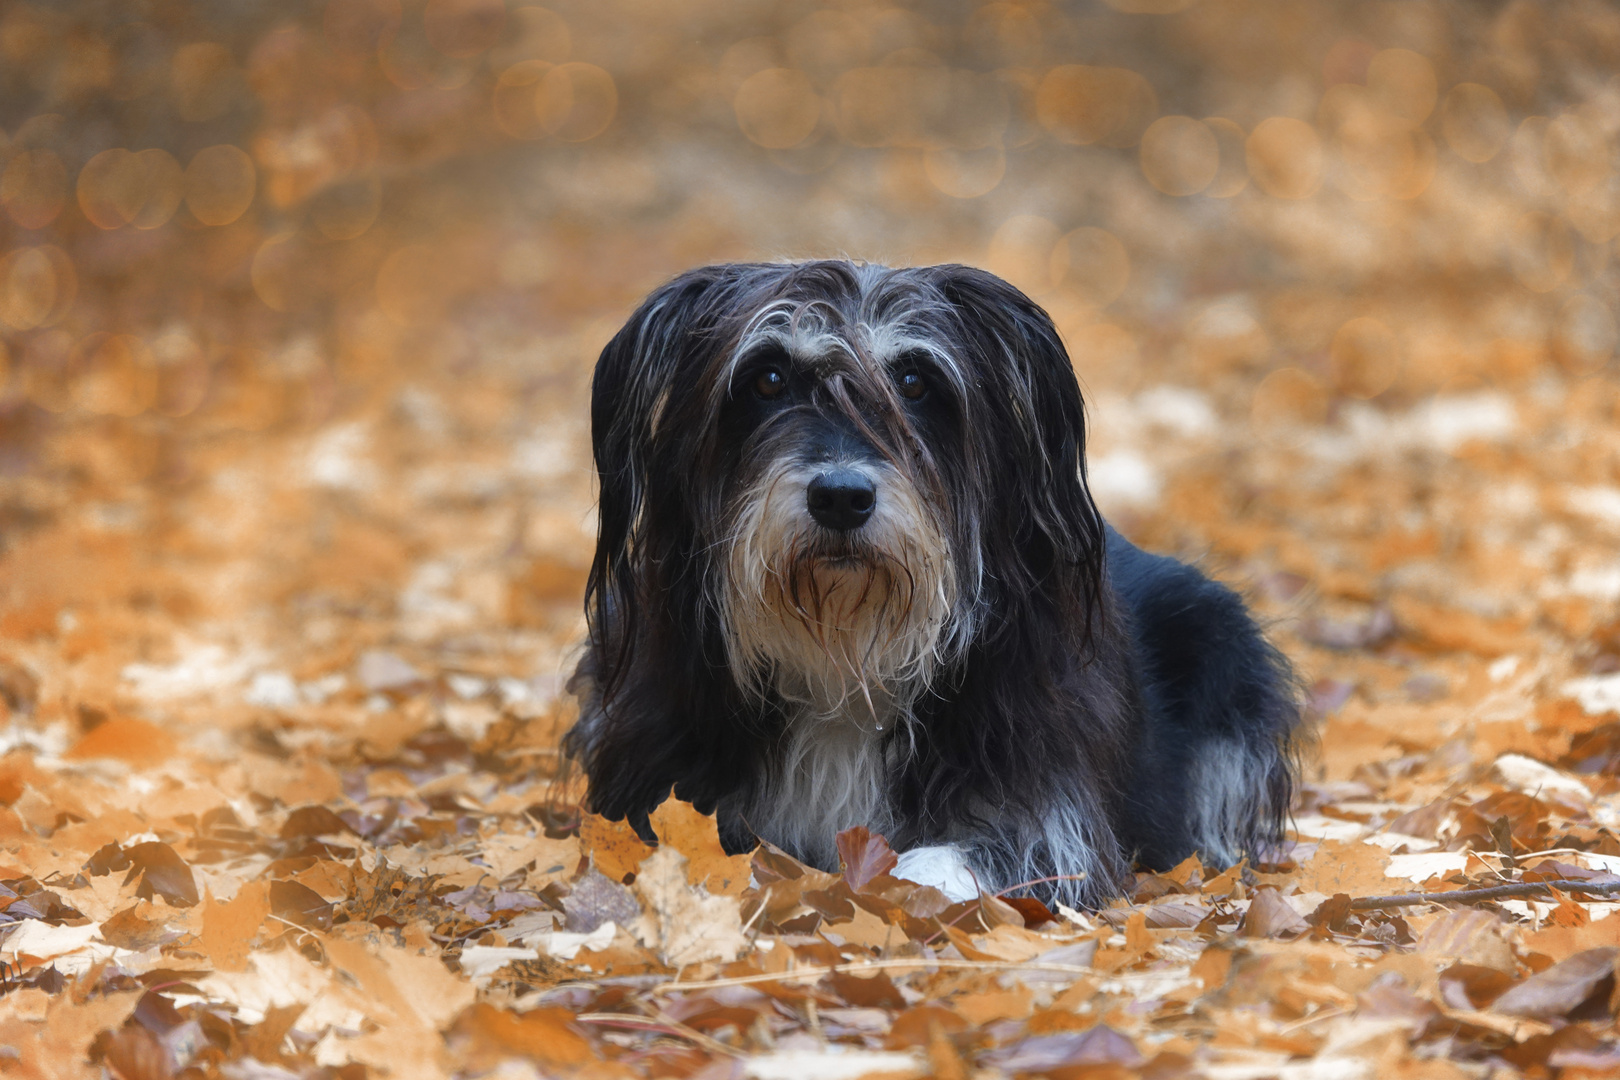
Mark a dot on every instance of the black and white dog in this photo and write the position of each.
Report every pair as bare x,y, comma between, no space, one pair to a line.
848,573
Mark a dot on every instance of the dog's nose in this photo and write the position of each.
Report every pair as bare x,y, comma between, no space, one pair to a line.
841,499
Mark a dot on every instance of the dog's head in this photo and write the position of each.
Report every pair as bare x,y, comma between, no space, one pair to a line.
843,475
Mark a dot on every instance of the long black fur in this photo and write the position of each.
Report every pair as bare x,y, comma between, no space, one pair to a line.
1102,692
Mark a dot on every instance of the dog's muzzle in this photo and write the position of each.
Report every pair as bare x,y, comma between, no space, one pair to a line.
841,499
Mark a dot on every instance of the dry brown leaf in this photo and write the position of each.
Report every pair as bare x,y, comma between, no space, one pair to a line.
228,929
613,846
864,856
682,925
1558,990
546,1035
1270,915
1472,936
1346,866
697,836
1563,941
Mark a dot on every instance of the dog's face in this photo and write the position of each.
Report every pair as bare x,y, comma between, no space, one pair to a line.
837,570
839,473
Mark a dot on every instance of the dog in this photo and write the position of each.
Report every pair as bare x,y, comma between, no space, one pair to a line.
848,572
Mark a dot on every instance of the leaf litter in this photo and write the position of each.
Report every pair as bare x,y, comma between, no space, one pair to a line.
290,565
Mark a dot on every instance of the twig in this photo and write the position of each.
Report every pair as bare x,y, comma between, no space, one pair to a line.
1041,881
1494,892
662,1025
897,964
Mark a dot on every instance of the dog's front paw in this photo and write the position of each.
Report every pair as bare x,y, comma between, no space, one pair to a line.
945,868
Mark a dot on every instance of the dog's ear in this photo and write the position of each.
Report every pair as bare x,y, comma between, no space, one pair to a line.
660,351
1031,438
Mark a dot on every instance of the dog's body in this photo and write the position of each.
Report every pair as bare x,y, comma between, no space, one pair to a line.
848,573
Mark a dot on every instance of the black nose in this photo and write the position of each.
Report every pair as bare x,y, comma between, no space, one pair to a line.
841,499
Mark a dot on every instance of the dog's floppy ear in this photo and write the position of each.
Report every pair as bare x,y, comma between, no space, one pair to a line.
1032,440
661,348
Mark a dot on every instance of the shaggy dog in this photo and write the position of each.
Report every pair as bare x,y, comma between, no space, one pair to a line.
848,573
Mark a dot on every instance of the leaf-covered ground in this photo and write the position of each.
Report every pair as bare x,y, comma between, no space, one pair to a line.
295,500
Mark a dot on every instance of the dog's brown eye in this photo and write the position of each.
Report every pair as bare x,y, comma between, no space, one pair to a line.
912,385
770,383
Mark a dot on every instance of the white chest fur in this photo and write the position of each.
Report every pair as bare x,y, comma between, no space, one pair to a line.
830,776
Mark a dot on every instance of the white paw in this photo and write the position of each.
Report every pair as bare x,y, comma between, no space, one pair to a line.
942,867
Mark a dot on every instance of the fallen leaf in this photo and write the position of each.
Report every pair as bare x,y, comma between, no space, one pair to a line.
613,846
123,737
863,856
1270,915
1561,988
546,1034
595,900
228,929
697,836
680,925
1100,1045
162,872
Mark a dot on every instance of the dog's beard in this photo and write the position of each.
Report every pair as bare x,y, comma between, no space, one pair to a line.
849,624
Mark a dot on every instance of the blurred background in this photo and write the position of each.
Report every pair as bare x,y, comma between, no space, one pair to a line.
299,301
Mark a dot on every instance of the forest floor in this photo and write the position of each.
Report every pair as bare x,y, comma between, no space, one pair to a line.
291,564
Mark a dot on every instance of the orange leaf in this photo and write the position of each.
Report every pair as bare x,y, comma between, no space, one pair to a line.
697,836
229,928
127,739
545,1034
613,846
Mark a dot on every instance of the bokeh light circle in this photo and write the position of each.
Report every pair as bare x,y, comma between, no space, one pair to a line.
1021,251
1286,401
1092,262
220,183
118,188
1284,156
358,27
777,108
1403,84
37,286
463,28
576,101
34,188
1179,155
1232,176
112,375
1474,122
1085,105
1577,152
1366,358
965,174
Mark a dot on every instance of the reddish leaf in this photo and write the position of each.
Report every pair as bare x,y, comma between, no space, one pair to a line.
133,1053
300,904
1269,915
1561,988
876,992
162,872
864,856
1034,912
313,821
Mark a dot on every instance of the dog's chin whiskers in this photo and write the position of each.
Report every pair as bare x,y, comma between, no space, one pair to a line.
845,625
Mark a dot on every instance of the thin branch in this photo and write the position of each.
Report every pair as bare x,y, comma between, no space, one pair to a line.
1040,881
663,1025
1495,892
898,964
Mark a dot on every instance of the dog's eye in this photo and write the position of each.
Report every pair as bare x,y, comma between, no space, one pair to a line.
912,385
770,383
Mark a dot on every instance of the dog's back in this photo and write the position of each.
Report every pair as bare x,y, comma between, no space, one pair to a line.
1212,772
